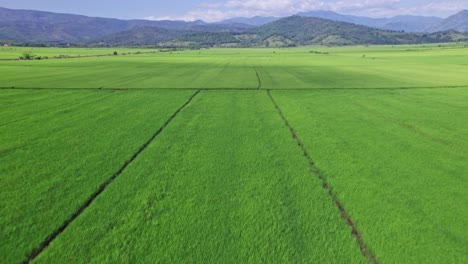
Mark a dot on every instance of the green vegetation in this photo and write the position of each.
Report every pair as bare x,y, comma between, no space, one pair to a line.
397,160
139,36
381,67
27,55
218,191
208,39
57,149
11,53
221,178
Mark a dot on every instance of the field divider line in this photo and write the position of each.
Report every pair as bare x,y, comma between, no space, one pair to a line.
344,214
258,79
125,89
236,89
36,252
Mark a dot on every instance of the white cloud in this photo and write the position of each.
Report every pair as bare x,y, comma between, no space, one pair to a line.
374,8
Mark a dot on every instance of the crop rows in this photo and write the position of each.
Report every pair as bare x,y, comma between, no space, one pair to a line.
397,161
53,161
389,67
365,251
13,53
272,156
213,187
226,169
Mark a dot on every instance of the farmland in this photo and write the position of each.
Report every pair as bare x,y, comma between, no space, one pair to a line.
12,53
301,68
313,154
402,157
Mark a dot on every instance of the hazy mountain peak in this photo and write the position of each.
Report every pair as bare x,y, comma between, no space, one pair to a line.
398,23
254,21
458,22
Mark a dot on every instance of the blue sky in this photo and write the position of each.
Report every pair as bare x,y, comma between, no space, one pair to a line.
215,10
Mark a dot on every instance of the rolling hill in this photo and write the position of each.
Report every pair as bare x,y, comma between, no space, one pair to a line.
200,35
254,21
138,36
286,32
458,22
39,26
397,23
297,30
306,29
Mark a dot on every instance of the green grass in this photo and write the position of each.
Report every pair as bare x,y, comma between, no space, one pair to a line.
223,183
155,71
382,67
16,52
57,149
397,161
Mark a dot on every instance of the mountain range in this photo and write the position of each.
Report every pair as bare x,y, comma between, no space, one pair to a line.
458,22
315,27
397,23
301,30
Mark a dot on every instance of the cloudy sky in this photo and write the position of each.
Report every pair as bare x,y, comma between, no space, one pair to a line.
215,10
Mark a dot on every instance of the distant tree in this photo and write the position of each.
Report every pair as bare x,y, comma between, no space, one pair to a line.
115,53
27,55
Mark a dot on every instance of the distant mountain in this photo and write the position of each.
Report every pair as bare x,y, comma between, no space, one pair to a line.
397,23
206,39
28,25
254,21
458,22
408,23
297,30
307,29
330,15
138,36
39,26
15,15
227,27
33,32
204,35
291,31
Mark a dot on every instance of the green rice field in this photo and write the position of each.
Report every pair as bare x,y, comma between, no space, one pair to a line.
12,53
303,155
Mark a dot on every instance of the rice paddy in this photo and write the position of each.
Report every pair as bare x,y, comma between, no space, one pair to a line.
314,154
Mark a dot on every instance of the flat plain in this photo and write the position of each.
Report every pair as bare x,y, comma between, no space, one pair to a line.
313,154
300,68
14,53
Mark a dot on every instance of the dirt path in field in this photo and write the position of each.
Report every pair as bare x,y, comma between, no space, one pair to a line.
126,89
36,252
258,79
344,214
234,89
